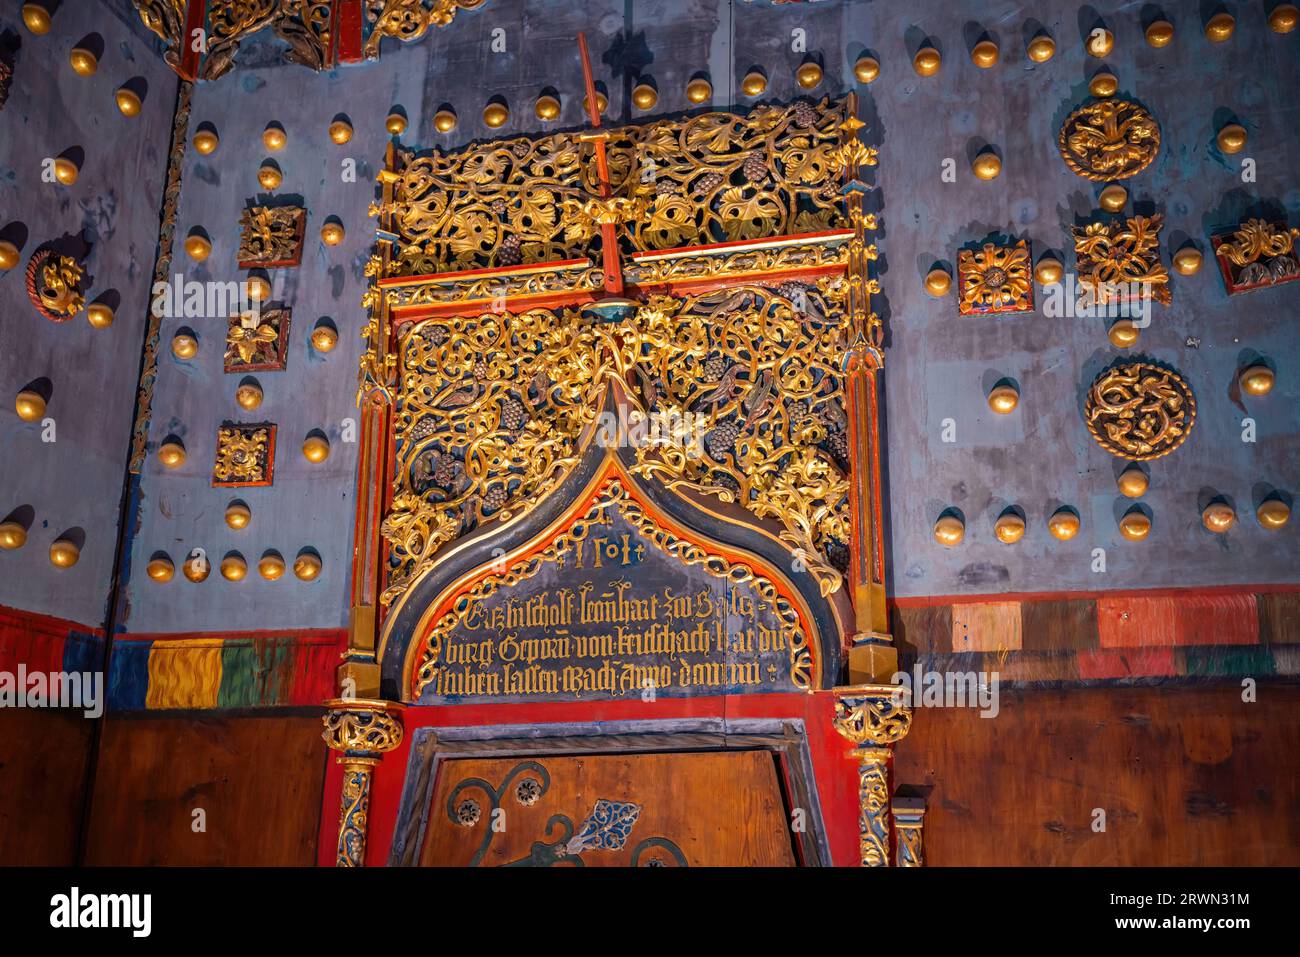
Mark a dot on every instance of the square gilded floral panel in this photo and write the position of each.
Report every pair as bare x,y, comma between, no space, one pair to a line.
271,236
245,455
1119,260
994,280
257,341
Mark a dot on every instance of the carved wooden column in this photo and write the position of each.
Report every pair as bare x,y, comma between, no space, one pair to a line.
359,673
908,823
874,718
872,656
363,731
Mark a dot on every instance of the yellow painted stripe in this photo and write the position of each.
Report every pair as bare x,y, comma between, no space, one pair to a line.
185,673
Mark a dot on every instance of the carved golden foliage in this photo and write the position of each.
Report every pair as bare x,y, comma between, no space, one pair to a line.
1140,411
711,178
1115,255
1109,139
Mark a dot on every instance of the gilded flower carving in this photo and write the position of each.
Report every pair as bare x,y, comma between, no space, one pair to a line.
1109,139
1120,261
1140,411
245,455
1258,253
995,279
255,340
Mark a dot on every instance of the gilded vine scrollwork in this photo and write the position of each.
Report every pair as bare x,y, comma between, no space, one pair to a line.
713,178
1109,139
1140,411
303,24
409,20
1115,257
490,410
166,19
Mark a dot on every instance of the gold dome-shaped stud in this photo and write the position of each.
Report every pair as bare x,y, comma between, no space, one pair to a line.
602,104
171,454
1103,84
331,233
1232,138
754,83
1003,399
315,448
985,54
233,567
160,569
1049,271
184,346
1064,524
1257,380
1283,18
866,69
1135,526
938,282
29,405
1123,334
196,566
949,530
66,171
1009,528
1100,42
1218,517
395,124
1160,33
307,566
547,108
64,554
100,315
644,96
987,165
36,18
1113,198
324,338
1273,513
1187,261
495,114
1220,27
206,141
128,101
274,137
257,288
699,90
444,121
249,396
9,255
927,61
270,566
1133,482
238,515
83,60
197,247
1041,48
809,75
269,176
340,131
12,536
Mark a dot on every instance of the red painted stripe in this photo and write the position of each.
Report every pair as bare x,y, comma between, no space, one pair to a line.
301,636
1125,621
348,34
18,618
189,56
1126,663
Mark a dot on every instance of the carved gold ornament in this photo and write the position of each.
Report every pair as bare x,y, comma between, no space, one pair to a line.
54,285
1109,139
363,731
245,455
166,19
873,719
490,409
710,178
1258,253
1140,411
995,279
256,340
615,496
302,24
409,20
270,236
1116,258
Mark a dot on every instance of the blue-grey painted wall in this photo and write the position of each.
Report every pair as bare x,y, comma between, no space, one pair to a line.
939,365
76,480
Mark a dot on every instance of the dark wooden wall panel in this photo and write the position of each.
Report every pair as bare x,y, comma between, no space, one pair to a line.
259,780
43,758
1189,776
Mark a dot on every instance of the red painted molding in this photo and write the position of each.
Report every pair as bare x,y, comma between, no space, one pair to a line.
16,618
304,636
347,33
195,20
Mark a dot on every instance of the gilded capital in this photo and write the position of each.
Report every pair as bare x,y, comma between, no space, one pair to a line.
363,729
872,716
